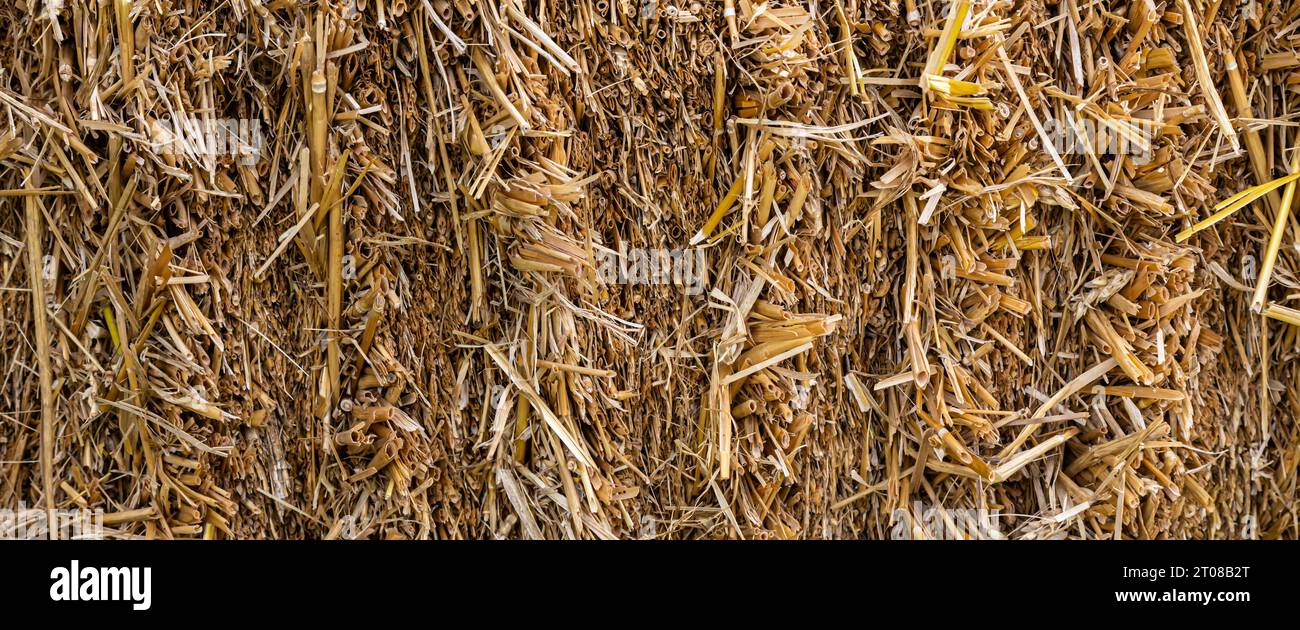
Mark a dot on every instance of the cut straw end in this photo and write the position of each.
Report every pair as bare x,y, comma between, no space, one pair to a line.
1283,314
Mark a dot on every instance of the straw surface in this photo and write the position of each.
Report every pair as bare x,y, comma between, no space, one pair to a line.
382,268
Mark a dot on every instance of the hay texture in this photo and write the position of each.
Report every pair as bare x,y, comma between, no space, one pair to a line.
440,269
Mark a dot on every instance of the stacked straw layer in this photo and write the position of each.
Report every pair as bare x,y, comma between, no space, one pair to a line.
651,269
